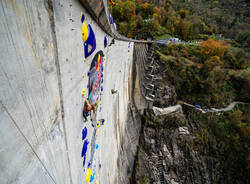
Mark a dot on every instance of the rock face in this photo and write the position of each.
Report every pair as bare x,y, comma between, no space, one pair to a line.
165,94
167,152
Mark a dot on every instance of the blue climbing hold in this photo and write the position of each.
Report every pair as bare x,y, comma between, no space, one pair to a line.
90,44
84,159
88,73
105,42
85,147
96,146
101,88
82,18
84,133
92,177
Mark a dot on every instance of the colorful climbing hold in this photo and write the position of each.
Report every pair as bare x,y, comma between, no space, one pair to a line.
85,32
84,159
88,175
105,42
85,147
84,133
82,17
88,37
92,177
98,124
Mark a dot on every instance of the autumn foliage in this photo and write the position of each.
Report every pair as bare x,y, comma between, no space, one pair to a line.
211,48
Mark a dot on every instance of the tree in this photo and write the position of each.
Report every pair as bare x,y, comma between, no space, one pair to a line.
183,13
128,10
185,28
211,48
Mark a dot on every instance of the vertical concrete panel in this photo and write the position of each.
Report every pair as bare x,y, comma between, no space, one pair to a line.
41,79
29,93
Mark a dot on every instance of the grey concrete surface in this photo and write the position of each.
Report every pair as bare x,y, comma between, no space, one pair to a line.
41,79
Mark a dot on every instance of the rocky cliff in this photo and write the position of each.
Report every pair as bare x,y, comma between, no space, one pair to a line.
186,146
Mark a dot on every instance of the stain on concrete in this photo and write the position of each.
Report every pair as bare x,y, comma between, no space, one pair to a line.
17,10
33,52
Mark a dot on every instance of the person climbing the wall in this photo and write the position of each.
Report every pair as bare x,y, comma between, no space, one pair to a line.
114,91
87,108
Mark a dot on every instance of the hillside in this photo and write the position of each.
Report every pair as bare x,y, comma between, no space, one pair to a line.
185,19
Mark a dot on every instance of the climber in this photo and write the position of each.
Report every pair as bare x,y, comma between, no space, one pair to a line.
87,108
113,91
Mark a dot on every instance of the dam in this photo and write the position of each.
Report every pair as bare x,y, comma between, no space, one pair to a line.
44,80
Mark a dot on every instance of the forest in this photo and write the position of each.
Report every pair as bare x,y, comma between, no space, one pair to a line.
185,19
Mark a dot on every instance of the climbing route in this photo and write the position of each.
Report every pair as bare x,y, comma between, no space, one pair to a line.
93,99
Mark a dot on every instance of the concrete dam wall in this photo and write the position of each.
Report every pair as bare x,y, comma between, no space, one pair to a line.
43,70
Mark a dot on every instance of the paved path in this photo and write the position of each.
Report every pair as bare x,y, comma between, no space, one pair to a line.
163,111
228,108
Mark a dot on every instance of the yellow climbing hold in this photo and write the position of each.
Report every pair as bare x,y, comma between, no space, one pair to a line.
98,124
85,32
83,75
97,132
83,92
88,175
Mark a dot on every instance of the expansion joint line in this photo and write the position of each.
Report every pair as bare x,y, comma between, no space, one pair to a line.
26,139
49,6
